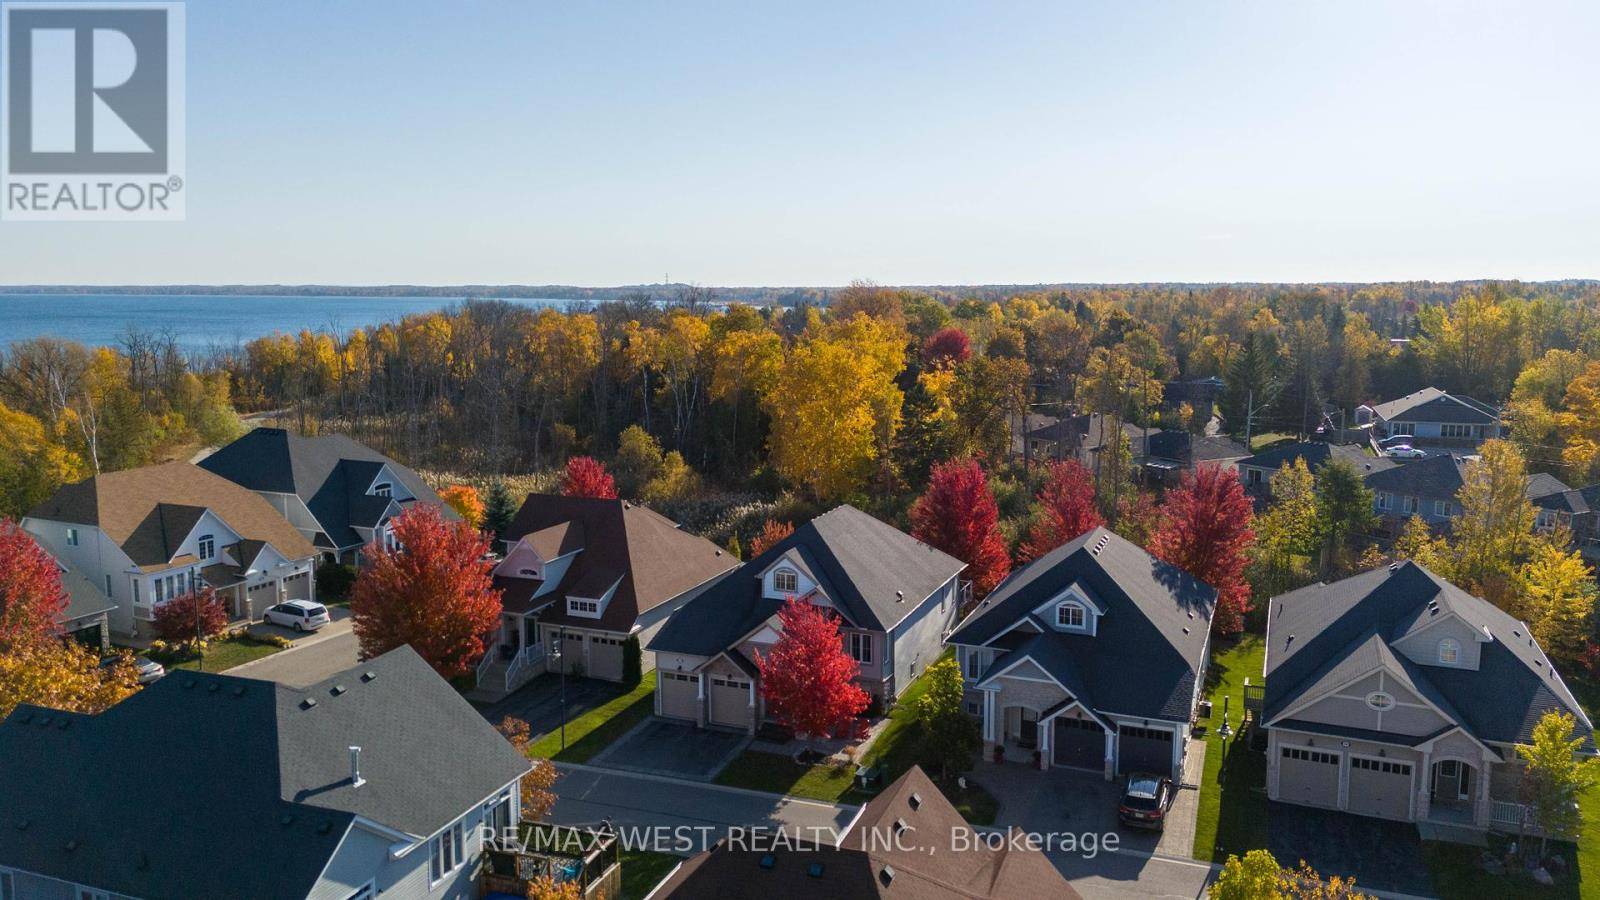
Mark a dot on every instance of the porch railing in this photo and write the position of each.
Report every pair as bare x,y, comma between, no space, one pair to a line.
525,659
487,661
1255,697
1510,815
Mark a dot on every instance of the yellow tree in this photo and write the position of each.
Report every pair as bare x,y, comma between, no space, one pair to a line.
834,405
1288,532
32,466
1494,533
1580,422
464,499
63,675
743,363
1558,597
1361,349
567,349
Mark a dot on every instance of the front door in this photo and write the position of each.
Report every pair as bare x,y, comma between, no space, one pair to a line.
1450,779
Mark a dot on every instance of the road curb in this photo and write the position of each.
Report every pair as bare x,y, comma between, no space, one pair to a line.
703,785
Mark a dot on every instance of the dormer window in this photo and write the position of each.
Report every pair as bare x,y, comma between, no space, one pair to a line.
785,581
1070,615
1449,651
206,547
383,489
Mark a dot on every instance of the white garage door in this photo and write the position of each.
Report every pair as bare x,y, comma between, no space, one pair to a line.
605,657
730,702
262,596
298,587
1308,776
1380,787
679,695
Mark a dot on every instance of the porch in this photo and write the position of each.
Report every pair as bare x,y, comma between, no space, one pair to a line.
515,657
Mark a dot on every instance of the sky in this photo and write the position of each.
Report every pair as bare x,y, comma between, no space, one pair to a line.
907,143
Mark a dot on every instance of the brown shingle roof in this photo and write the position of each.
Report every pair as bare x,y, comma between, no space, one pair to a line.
149,511
878,858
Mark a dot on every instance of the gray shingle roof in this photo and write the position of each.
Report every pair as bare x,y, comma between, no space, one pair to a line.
1149,645
860,562
1317,629
1316,454
218,786
1433,405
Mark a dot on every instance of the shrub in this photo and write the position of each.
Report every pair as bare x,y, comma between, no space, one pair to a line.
632,662
334,580
181,618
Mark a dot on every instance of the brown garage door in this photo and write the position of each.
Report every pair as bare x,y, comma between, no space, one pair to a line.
605,657
730,702
679,695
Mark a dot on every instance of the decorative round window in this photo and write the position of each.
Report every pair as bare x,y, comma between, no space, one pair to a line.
1380,701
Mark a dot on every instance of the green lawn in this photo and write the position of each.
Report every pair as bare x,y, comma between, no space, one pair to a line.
642,870
895,750
225,654
1233,802
593,731
1260,442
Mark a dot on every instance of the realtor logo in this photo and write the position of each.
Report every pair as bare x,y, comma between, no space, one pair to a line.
93,111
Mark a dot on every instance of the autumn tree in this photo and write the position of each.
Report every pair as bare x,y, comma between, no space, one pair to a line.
1558,595
196,615
772,531
946,348
464,499
32,599
435,592
1344,512
950,736
1206,531
989,393
673,481
32,465
537,797
1579,422
1556,774
1287,533
1494,532
586,477
63,675
807,679
1066,509
638,459
544,886
957,514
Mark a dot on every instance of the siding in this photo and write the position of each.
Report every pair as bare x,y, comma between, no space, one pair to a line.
38,887
917,642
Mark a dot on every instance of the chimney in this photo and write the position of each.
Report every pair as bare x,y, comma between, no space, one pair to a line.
355,768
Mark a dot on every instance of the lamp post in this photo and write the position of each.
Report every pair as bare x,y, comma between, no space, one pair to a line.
1224,731
555,653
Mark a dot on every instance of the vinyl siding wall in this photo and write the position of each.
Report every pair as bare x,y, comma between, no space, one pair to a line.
917,642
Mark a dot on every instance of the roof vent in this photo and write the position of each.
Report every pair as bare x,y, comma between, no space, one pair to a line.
213,687
899,596
886,875
337,689
1185,629
238,690
1393,566
768,860
814,870
286,821
915,801
355,768
308,702
368,675
188,683
72,845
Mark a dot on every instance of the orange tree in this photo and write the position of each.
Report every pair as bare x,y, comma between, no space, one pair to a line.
586,477
807,678
958,515
1205,530
434,592
195,614
1066,511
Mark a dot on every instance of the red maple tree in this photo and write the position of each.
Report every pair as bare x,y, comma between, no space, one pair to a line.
31,596
771,533
957,514
586,477
1066,510
807,679
1205,531
946,347
435,592
182,617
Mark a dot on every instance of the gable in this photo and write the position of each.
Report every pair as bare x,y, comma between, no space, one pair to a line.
1353,706
521,561
1422,645
1026,670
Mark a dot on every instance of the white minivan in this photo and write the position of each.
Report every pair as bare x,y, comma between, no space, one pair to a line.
301,615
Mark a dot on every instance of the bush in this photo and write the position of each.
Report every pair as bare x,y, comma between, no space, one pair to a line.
181,618
632,662
334,581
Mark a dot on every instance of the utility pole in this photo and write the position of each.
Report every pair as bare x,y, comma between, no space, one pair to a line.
1249,414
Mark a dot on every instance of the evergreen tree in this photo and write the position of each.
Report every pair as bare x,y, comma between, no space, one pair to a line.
499,510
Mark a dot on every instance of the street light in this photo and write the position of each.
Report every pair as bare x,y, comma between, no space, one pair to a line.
1224,731
555,654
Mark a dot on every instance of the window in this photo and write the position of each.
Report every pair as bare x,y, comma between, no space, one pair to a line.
158,589
445,852
1403,428
1252,476
1314,756
579,607
1443,508
1380,701
860,647
785,581
207,546
109,595
362,893
72,537
1449,651
383,489
972,663
1410,504
1385,500
1070,615
974,708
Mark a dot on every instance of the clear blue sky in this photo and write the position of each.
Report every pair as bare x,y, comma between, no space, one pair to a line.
731,144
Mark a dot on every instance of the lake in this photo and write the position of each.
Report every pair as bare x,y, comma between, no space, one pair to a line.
203,322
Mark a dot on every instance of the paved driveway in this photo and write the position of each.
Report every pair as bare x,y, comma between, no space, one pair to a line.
309,661
677,816
1382,855
676,749
539,702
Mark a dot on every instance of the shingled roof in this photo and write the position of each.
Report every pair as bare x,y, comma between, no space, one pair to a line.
330,473
208,785
909,842
1316,454
1148,646
876,573
1433,405
149,511
1321,632
655,559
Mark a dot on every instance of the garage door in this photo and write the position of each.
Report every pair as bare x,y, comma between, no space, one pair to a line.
679,695
1308,776
1380,787
1144,750
730,702
298,587
1080,743
262,596
605,657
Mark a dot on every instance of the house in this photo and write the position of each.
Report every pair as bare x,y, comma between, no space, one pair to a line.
1434,417
1396,694
1021,427
87,617
1078,437
1091,656
1165,455
1586,526
1428,488
1558,506
582,577
908,842
1161,455
148,535
339,493
1202,395
1256,471
373,782
895,596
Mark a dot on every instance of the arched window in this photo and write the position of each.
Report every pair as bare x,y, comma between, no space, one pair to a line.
1449,651
785,581
1070,615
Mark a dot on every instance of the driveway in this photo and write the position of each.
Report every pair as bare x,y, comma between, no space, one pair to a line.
315,656
675,749
684,817
539,702
1382,855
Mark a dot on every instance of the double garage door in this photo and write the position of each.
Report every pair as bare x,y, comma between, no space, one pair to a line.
1378,787
730,701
